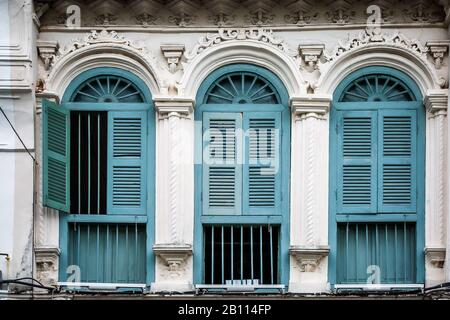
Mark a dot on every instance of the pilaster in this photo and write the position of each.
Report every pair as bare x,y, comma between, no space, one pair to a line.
174,205
309,210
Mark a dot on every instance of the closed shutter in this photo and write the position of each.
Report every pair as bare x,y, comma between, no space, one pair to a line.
357,162
56,154
397,161
126,162
222,163
262,165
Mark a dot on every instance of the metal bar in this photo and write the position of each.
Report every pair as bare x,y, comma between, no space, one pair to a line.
387,252
116,263
346,251
261,254
88,242
251,250
97,253
136,246
78,228
107,253
89,164
242,254
79,162
367,246
357,249
128,253
396,257
377,246
223,262
271,254
98,160
404,252
212,254
232,253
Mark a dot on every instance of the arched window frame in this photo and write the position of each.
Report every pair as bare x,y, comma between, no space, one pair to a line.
283,219
419,218
144,217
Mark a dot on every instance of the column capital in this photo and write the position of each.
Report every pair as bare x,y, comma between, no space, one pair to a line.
167,104
315,104
436,100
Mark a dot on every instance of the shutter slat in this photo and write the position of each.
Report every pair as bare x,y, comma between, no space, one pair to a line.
222,169
262,172
126,162
357,162
397,164
56,124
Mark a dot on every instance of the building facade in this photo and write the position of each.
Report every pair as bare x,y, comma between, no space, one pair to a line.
261,146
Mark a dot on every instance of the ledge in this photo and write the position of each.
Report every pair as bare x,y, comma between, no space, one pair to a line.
436,100
168,104
173,255
436,256
308,258
318,104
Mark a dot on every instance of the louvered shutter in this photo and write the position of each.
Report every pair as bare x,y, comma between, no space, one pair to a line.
127,132
222,163
357,162
397,161
56,154
262,165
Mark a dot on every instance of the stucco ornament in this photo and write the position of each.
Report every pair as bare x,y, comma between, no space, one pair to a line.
263,35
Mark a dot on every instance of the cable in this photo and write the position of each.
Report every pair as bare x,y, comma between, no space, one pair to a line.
17,135
18,281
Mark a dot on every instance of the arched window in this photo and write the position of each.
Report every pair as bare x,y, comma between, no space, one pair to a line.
98,170
377,179
242,183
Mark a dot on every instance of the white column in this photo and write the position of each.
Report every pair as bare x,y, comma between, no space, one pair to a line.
309,194
436,187
174,216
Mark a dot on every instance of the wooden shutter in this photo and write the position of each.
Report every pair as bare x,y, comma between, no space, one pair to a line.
357,162
262,165
222,169
127,132
56,154
397,161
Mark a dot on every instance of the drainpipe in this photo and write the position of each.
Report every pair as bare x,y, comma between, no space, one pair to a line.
446,5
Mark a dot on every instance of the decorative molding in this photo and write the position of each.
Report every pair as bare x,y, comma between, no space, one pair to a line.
436,256
106,10
222,11
263,35
438,50
436,101
47,264
47,51
166,105
259,11
311,53
339,12
310,106
366,38
309,258
146,11
301,10
422,11
173,54
174,256
184,12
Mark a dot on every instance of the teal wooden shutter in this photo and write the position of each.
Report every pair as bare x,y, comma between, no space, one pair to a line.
222,164
56,154
262,165
397,161
127,132
357,162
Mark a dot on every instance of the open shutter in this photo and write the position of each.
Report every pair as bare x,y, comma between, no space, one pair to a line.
222,169
397,161
126,162
56,153
357,162
262,165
